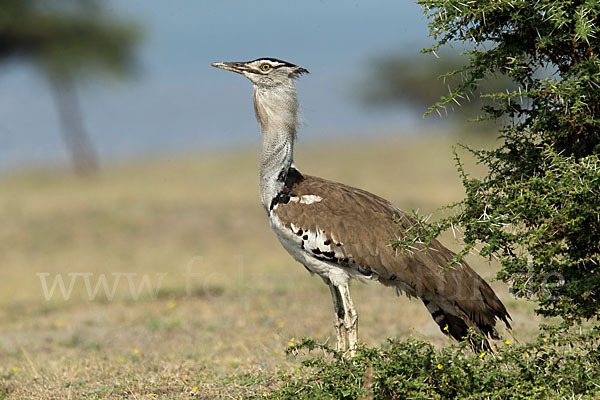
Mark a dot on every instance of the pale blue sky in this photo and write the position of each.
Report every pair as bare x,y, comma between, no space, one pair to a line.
179,103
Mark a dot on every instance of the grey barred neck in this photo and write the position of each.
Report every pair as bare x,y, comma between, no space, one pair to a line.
276,161
276,111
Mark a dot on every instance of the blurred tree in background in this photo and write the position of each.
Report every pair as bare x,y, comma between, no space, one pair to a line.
68,40
538,209
420,81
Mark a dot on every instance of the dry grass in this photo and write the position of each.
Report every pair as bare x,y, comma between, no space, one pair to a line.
220,333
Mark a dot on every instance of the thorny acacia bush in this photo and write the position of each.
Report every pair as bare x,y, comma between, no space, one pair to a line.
557,365
538,208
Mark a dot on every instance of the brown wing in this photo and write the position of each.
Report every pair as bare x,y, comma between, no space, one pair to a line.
355,228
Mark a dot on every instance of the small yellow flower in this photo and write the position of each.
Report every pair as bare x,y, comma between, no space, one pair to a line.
152,394
507,341
136,351
439,366
195,389
297,370
291,343
120,359
15,369
545,340
526,354
171,304
482,355
446,328
280,324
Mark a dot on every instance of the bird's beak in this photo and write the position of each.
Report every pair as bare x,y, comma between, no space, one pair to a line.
238,67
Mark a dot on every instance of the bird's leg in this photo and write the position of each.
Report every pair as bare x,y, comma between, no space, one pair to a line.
350,317
340,327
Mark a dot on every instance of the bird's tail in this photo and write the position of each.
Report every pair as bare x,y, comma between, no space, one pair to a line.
456,313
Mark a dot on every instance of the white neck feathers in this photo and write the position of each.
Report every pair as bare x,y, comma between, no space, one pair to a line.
276,111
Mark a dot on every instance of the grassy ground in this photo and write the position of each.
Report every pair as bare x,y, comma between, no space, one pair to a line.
229,300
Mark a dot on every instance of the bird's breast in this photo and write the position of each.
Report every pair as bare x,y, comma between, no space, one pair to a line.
315,249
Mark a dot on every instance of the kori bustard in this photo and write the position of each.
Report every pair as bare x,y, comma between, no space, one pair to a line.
339,232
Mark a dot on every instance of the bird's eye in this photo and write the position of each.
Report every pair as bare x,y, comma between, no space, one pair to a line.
265,67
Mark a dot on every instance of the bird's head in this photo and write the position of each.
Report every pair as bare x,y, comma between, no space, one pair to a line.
265,72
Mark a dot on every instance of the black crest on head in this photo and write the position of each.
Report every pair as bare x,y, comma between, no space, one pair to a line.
275,60
282,63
